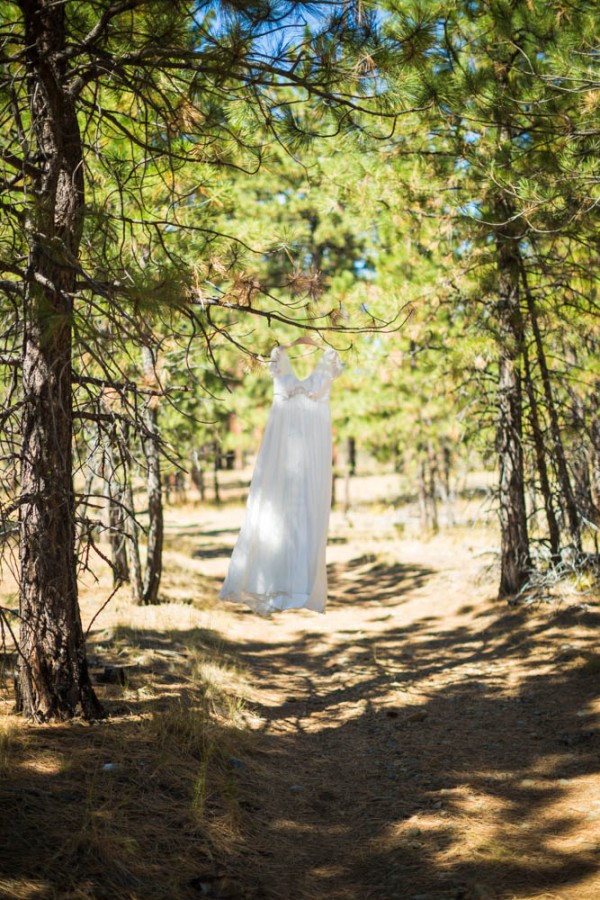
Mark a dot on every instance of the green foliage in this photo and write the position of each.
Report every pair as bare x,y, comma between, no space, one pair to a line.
217,219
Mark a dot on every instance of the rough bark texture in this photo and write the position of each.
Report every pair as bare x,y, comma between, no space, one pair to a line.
53,680
151,444
562,470
581,456
595,462
540,458
113,474
514,555
133,547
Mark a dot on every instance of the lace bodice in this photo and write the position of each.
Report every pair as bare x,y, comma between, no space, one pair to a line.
315,386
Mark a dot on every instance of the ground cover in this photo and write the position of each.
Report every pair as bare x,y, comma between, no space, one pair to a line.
419,740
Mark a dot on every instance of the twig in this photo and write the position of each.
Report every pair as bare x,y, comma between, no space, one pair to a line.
104,605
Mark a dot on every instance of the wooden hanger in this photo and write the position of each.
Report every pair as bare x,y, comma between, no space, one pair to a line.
304,339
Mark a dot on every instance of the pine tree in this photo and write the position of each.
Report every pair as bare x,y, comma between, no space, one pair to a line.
506,103
118,115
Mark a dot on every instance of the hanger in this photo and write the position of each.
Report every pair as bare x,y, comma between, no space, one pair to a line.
304,339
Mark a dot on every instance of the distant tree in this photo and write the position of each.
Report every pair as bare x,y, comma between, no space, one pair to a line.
506,140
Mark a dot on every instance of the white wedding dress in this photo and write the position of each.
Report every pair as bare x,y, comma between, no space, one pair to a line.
278,561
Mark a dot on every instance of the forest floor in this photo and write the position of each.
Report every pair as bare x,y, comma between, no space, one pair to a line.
419,741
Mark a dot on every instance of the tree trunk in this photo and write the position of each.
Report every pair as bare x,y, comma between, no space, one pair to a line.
432,477
133,547
595,463
197,474
445,467
346,505
53,680
514,553
116,516
422,493
352,455
216,465
540,458
151,444
581,457
566,488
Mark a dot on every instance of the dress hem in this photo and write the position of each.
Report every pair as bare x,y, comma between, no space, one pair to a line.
278,601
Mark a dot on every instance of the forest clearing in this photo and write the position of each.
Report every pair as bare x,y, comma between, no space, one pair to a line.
420,739
269,267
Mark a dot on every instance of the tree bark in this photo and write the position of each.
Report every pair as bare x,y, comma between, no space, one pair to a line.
445,467
133,547
197,474
514,554
53,680
595,460
352,455
116,514
432,478
216,466
566,487
540,458
581,457
422,492
151,444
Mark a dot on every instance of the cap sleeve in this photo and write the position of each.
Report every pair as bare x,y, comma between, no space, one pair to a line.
333,363
275,362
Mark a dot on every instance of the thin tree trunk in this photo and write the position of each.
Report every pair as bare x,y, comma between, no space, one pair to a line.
53,680
346,506
81,508
197,475
540,459
514,553
151,441
581,457
133,547
595,464
350,471
118,538
116,517
216,464
352,455
559,453
422,493
444,466
432,477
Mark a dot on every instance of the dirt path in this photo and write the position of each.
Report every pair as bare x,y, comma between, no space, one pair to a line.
420,740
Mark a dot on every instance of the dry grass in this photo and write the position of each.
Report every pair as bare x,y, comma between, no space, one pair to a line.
137,806
144,804
419,740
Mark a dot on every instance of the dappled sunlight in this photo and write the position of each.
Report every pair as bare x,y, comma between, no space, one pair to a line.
447,744
44,765
24,889
419,739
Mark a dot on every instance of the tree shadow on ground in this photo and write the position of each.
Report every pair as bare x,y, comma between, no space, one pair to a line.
369,581
143,804
415,762
449,803
175,530
404,762
217,551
